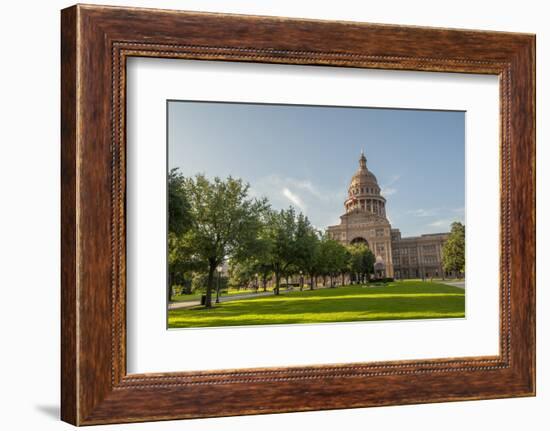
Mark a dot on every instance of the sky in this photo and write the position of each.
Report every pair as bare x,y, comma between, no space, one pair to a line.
305,156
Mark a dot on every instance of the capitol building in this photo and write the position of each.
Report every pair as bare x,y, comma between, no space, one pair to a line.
365,221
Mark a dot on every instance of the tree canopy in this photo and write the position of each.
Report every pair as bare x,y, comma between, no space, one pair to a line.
224,221
454,249
361,261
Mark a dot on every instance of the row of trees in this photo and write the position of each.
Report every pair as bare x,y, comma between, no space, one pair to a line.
290,246
212,221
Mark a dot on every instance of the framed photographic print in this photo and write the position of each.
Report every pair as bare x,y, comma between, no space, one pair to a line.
285,267
267,215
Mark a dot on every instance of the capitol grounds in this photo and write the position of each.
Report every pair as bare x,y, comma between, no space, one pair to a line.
234,260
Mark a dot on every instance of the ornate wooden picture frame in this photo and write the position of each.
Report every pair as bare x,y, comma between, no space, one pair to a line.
96,41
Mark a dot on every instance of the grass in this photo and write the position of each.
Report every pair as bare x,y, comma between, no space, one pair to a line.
392,301
197,295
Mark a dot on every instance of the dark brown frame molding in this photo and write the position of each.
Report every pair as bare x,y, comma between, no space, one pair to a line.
95,43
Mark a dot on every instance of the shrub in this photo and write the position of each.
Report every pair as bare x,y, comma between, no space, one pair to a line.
381,280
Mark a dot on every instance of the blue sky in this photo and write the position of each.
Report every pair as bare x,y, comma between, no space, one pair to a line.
305,156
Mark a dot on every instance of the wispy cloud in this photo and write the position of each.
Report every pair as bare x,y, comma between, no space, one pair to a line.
440,223
444,222
386,189
293,198
424,212
323,207
452,214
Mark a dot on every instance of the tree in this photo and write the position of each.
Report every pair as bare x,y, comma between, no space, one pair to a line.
280,231
361,261
179,208
454,248
306,248
225,222
180,260
242,274
324,259
334,258
345,268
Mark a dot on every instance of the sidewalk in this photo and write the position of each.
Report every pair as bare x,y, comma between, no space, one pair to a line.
460,284
227,298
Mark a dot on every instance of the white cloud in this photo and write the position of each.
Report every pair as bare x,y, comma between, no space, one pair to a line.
322,207
388,191
294,198
444,223
440,223
424,212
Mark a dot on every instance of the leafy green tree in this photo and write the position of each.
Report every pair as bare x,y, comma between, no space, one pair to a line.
280,231
182,262
226,222
306,249
258,262
361,261
261,259
454,249
346,262
323,258
180,259
179,208
240,274
335,258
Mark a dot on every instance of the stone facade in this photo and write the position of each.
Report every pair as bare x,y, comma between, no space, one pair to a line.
418,256
365,222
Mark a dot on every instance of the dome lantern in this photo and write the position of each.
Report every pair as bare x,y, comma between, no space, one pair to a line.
363,160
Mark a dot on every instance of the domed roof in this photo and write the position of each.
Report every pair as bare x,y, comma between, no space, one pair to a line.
363,176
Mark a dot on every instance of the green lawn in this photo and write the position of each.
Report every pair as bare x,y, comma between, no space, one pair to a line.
197,295
397,300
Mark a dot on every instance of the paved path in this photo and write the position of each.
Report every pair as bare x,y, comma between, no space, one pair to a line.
455,284
227,298
189,304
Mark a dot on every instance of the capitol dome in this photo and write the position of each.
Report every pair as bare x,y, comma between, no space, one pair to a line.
364,192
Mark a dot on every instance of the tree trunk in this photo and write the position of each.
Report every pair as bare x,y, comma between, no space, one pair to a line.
277,282
211,270
264,282
311,283
287,281
187,286
169,289
343,279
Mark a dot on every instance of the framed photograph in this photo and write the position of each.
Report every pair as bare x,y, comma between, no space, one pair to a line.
265,215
